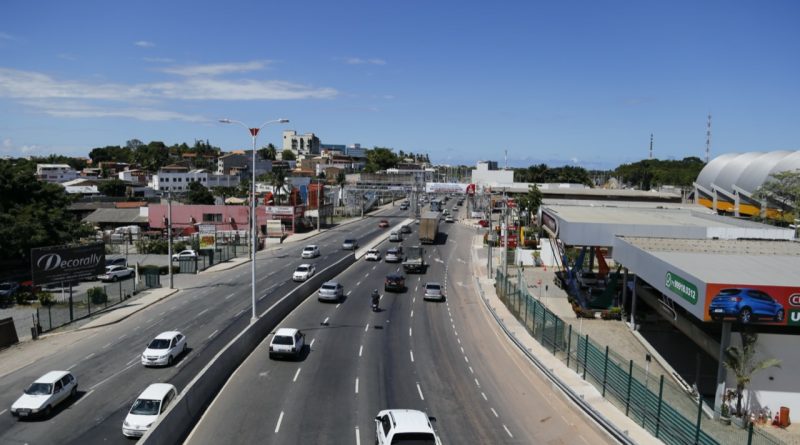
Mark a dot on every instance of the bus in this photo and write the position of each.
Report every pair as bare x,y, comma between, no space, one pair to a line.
436,205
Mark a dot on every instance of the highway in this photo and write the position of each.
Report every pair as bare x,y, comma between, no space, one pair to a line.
211,308
450,360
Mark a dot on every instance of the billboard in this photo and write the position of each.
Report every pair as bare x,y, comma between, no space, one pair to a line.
743,303
57,264
207,236
448,187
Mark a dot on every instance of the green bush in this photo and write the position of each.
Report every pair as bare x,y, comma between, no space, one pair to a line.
45,298
97,295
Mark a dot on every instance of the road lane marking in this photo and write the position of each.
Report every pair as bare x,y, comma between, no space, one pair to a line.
213,334
416,288
203,312
358,436
412,355
409,332
162,313
494,412
358,284
356,385
420,392
89,356
360,350
311,345
366,275
326,320
507,431
70,368
122,336
471,371
229,296
482,393
111,376
462,349
366,328
81,399
133,360
262,297
239,313
106,345
456,332
3,411
458,340
349,292
337,305
296,374
466,359
412,313
278,426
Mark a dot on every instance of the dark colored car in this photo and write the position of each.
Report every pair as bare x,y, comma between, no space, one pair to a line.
483,223
744,304
395,282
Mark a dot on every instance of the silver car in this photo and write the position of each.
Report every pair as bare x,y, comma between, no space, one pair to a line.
331,291
350,244
433,291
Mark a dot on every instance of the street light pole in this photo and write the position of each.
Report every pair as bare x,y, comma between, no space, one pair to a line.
253,216
169,235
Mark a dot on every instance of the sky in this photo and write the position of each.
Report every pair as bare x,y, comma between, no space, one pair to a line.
558,82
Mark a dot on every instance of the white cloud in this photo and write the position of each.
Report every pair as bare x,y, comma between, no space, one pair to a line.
359,61
29,84
219,89
144,44
216,69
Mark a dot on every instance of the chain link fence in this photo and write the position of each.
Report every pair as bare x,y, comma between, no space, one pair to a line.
660,406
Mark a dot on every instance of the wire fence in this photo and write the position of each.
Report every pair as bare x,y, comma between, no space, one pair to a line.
660,406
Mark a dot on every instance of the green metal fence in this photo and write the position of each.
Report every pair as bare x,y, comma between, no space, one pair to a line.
658,405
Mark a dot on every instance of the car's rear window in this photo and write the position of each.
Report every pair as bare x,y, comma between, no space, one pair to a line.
302,268
433,287
729,292
413,439
282,340
329,286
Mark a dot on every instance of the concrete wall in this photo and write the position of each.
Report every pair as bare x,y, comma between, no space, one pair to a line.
176,423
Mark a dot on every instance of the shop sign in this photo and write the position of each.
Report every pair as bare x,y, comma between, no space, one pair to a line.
681,287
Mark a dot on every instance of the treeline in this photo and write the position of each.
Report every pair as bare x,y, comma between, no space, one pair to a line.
381,158
652,173
156,154
543,174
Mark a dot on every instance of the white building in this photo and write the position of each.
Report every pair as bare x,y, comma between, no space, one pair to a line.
55,172
486,173
301,144
177,179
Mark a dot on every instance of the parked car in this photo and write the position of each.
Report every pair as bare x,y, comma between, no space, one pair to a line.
115,273
396,426
8,289
116,261
150,404
433,291
350,244
303,272
310,251
187,254
287,342
383,224
373,255
164,349
393,256
395,282
331,291
44,394
745,304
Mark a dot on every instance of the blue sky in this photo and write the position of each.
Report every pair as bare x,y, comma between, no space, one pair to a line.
567,82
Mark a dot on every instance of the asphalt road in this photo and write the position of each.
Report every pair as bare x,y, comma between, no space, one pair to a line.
447,359
210,309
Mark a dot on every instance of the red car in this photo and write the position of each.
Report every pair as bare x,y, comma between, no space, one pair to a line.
383,224
483,223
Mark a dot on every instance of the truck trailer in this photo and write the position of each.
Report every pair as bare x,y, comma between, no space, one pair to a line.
428,227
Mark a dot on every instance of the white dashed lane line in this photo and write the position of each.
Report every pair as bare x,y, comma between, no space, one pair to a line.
213,334
326,320
229,296
494,412
420,392
203,312
483,394
296,374
366,328
356,385
412,355
311,345
360,350
278,425
409,332
507,431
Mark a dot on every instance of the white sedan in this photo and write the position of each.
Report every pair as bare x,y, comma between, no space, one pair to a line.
114,273
373,255
311,251
303,272
164,349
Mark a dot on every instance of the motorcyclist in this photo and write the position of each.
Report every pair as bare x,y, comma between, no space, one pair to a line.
375,297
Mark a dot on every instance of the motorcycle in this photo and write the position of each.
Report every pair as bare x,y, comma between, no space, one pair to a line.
375,306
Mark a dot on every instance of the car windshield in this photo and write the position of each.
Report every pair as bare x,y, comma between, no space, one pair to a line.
329,287
309,249
392,251
373,251
282,340
413,439
302,269
159,343
349,241
145,407
39,389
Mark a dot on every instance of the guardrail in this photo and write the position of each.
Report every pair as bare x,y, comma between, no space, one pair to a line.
660,407
174,425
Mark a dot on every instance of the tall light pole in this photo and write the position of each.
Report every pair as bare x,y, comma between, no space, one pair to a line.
253,218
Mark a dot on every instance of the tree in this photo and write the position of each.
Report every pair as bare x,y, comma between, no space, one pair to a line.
111,153
380,158
225,192
783,190
742,362
278,180
198,194
288,155
113,187
531,200
269,152
651,173
152,156
341,178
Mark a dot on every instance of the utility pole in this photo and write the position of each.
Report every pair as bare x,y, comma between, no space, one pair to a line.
505,235
169,235
708,138
319,206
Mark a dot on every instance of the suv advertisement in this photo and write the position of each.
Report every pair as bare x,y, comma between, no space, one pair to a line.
62,263
776,305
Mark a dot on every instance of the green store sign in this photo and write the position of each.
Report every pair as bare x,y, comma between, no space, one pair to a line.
680,286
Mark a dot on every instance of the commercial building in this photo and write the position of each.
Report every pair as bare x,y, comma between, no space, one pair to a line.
486,173
301,144
55,173
176,178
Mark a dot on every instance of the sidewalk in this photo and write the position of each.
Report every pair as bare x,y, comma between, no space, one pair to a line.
557,370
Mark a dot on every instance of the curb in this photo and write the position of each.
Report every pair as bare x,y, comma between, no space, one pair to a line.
145,306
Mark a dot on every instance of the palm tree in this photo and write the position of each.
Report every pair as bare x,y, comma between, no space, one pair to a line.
743,364
278,181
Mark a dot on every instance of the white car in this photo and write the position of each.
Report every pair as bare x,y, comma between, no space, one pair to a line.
45,393
287,342
311,251
394,426
303,272
373,255
187,254
449,219
153,401
164,349
114,273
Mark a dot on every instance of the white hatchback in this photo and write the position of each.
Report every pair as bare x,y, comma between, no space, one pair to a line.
164,349
303,272
287,342
45,393
148,406
395,426
373,255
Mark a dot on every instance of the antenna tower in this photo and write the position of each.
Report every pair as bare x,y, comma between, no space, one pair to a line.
506,152
651,145
708,138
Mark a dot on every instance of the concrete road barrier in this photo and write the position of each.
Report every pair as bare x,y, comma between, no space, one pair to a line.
176,423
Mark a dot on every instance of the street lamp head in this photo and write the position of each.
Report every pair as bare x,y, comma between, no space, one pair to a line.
225,121
283,121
